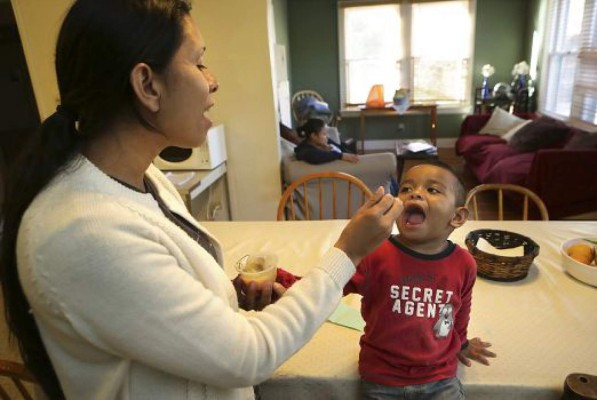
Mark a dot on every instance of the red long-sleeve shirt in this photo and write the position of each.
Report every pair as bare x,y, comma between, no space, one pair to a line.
416,308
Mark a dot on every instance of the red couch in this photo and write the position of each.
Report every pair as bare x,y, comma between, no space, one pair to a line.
564,176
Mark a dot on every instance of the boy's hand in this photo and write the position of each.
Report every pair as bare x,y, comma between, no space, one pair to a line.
476,350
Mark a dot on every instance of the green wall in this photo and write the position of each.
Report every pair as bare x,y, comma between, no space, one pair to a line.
313,43
503,36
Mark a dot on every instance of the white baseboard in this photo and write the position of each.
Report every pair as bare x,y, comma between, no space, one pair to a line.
391,144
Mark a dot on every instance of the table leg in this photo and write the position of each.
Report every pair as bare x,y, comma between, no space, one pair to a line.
362,133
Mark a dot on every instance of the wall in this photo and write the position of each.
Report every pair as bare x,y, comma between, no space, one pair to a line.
313,37
500,39
238,53
39,23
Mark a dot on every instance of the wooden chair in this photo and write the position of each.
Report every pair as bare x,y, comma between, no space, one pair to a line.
527,194
302,94
19,375
339,189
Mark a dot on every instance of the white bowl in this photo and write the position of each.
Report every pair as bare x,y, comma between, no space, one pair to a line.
582,272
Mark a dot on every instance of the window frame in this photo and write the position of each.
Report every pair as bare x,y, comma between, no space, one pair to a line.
406,68
551,52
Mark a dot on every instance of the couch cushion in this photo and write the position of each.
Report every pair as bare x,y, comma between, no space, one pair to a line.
542,133
582,141
491,155
468,146
514,169
500,122
510,134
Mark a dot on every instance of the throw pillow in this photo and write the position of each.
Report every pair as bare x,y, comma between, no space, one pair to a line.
582,141
542,133
510,134
500,122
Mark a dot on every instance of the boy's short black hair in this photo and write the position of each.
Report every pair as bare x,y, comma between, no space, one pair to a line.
459,190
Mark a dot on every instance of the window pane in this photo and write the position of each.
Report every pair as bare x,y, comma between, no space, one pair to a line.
429,53
365,31
560,83
569,33
365,73
441,30
372,49
440,81
562,61
441,54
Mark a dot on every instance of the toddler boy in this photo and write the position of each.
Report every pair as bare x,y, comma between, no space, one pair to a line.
417,288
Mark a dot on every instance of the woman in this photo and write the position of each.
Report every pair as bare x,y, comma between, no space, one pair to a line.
111,288
317,148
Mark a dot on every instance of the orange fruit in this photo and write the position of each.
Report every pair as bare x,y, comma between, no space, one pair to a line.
582,252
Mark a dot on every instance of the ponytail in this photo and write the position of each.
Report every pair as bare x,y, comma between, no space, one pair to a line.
50,150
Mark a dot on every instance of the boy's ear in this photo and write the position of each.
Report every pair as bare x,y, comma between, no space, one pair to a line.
459,218
146,86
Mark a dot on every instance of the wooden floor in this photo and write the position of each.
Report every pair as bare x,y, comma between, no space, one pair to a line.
487,203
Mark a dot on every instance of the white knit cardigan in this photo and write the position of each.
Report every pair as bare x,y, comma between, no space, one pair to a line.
130,307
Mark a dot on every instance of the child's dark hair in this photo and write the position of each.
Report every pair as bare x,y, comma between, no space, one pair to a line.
312,126
98,45
459,189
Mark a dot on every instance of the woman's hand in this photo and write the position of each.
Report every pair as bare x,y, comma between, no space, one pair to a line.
370,226
353,158
256,296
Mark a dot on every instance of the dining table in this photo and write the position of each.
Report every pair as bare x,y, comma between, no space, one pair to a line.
543,327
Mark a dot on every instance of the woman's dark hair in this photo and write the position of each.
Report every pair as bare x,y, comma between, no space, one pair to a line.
312,126
98,45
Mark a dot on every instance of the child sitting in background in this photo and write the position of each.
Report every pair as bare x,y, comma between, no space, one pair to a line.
317,148
417,289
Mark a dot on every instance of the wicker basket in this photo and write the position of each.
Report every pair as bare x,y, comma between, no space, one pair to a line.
501,268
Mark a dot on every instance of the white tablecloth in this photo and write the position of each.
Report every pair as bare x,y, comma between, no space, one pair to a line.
542,328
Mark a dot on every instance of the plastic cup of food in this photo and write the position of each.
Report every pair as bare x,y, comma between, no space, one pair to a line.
258,267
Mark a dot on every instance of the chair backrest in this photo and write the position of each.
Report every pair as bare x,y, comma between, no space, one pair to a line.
472,201
296,101
323,195
19,375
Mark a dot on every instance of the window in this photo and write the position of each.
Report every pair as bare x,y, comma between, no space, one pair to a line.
571,63
423,46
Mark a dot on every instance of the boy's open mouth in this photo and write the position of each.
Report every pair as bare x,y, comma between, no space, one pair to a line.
413,215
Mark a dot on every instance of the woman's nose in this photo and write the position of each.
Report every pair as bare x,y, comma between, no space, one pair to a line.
211,80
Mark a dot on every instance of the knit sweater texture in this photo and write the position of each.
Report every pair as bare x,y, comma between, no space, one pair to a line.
130,307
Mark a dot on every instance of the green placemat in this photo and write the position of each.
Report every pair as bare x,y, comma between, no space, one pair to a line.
347,316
